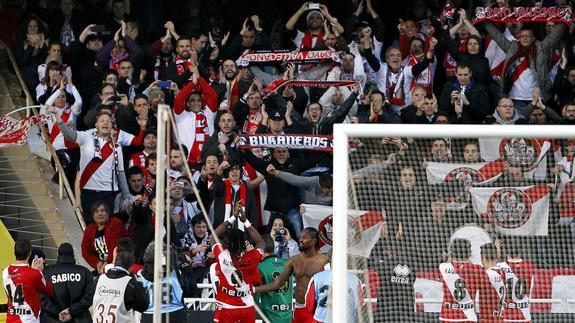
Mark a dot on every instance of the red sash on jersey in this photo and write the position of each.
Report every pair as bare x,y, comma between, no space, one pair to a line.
55,131
201,125
519,63
95,163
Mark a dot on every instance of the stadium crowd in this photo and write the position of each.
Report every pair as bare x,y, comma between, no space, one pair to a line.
101,68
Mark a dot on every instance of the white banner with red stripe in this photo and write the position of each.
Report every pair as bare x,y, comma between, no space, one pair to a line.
527,153
524,14
514,210
290,141
364,228
466,173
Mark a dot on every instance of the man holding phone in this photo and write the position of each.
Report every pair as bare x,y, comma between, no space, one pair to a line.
23,285
313,36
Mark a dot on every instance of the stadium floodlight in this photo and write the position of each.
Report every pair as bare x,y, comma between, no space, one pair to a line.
343,177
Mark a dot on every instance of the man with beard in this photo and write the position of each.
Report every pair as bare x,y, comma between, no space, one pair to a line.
161,52
222,143
303,267
568,113
313,36
177,160
178,70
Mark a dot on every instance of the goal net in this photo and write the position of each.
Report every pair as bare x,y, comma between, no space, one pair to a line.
453,223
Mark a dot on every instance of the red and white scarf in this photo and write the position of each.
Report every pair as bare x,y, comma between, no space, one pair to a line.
201,135
307,42
425,79
182,65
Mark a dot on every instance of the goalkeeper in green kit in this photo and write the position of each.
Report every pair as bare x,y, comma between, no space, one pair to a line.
276,305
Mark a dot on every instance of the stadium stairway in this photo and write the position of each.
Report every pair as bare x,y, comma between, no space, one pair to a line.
29,201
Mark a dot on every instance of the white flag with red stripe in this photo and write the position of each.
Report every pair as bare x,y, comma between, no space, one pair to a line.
466,173
15,132
364,228
527,153
495,55
514,210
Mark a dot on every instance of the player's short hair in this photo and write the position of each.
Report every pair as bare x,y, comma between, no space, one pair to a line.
134,170
513,247
325,180
126,244
125,260
269,246
22,249
314,235
461,249
489,252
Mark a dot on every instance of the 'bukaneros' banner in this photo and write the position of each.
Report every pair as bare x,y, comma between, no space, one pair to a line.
312,142
524,14
305,83
287,56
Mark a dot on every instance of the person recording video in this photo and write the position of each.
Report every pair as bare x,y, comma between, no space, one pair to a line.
284,246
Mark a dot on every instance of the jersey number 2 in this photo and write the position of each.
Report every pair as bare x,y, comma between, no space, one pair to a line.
18,296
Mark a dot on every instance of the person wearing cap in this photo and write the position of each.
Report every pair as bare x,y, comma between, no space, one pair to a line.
71,283
273,123
313,36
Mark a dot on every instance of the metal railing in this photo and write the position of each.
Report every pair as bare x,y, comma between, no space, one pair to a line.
63,185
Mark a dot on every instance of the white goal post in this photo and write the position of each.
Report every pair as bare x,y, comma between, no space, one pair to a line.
342,132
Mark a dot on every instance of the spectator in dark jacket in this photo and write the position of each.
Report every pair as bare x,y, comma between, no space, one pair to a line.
30,50
316,125
72,284
463,99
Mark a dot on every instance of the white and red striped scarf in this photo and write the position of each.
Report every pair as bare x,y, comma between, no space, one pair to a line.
195,153
182,65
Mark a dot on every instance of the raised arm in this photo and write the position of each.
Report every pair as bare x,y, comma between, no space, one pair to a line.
497,36
278,282
290,24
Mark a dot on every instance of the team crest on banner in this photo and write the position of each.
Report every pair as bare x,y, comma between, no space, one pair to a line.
520,152
509,208
465,176
364,228
520,210
354,230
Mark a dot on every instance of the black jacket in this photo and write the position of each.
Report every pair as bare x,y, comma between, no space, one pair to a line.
72,285
477,109
282,196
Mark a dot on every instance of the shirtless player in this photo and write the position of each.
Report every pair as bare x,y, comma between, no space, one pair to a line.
303,267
